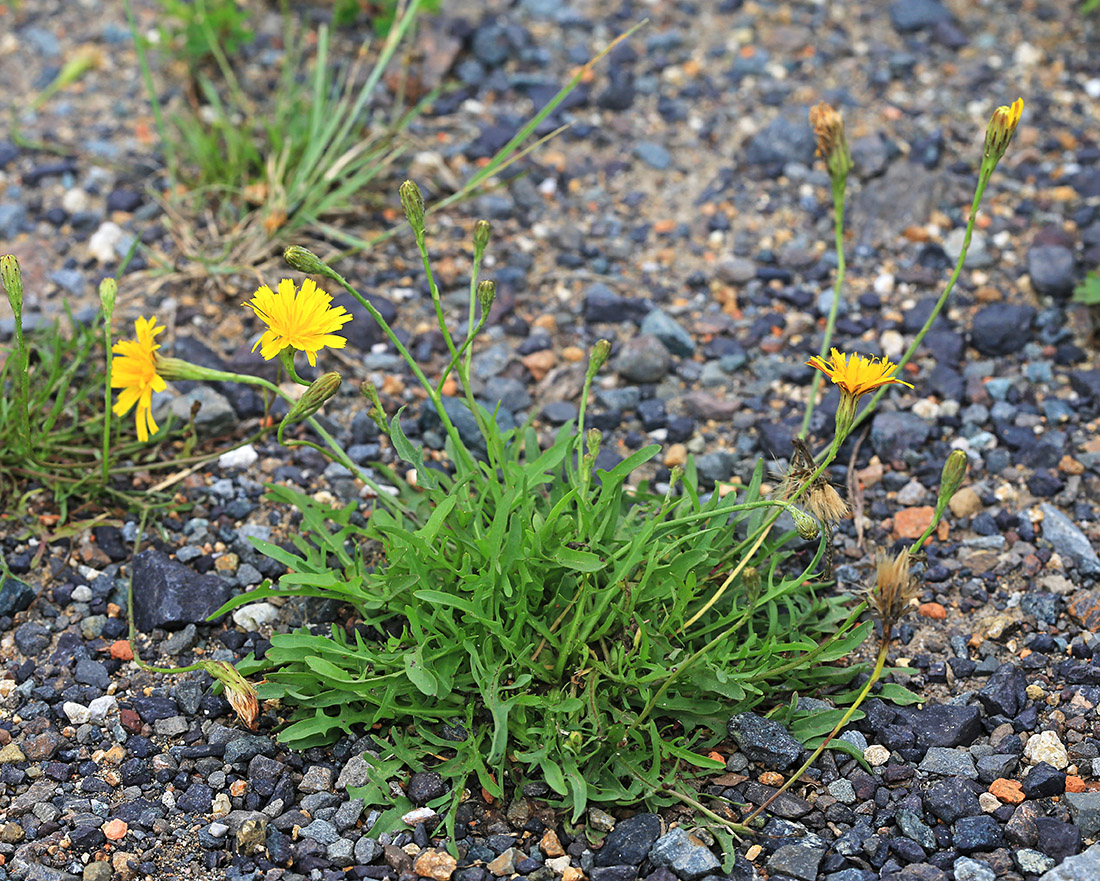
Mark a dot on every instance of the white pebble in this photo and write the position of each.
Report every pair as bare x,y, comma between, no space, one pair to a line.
218,830
417,816
876,755
101,707
78,714
1092,88
1046,747
75,200
255,615
82,594
242,457
893,344
1027,55
884,284
927,409
988,802
104,240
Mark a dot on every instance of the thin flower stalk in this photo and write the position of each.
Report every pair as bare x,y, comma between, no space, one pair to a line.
108,290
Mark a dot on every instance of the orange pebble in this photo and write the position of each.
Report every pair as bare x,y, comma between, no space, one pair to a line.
1008,791
772,778
120,650
1074,783
115,830
932,610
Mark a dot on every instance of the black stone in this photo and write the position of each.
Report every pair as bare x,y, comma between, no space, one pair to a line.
1002,329
15,596
425,786
951,799
169,595
977,833
1005,693
764,741
1044,780
629,842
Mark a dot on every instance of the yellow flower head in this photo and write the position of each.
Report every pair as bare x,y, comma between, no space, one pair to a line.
1001,128
135,372
303,320
855,374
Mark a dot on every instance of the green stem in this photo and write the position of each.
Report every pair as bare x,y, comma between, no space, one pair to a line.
880,663
983,180
830,324
107,413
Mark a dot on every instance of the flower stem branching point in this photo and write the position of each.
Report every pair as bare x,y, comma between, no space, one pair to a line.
299,318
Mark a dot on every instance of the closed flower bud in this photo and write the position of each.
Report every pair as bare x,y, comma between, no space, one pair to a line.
108,291
593,437
176,368
412,201
952,476
598,358
314,397
13,282
999,132
306,261
238,691
806,525
486,294
482,229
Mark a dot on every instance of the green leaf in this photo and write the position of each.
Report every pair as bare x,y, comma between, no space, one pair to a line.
418,673
1088,291
898,694
581,561
408,453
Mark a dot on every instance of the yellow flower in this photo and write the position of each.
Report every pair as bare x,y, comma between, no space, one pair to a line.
135,372
1001,128
304,322
855,374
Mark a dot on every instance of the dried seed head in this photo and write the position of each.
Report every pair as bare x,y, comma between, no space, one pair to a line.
832,146
895,588
824,502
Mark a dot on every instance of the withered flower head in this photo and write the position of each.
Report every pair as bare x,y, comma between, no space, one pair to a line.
238,691
820,497
832,146
895,588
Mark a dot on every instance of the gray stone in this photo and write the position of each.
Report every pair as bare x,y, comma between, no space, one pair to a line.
1082,867
908,16
654,155
715,466
893,433
348,814
317,778
915,829
1068,540
797,861
643,359
764,741
1053,269
1032,861
321,831
13,215
215,416
341,852
367,850
967,869
89,672
355,773
685,855
993,767
181,641
948,762
1084,809
169,595
1002,328
783,140
32,639
670,332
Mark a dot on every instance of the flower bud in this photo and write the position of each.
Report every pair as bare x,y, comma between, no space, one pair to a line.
177,368
598,358
482,229
999,132
593,438
108,291
832,146
806,525
314,397
306,261
486,294
951,478
412,200
238,691
376,413
13,283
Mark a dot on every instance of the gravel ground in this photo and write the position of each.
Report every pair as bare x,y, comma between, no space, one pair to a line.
681,216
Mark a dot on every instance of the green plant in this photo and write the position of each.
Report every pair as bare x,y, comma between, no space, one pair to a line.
196,31
1088,291
382,14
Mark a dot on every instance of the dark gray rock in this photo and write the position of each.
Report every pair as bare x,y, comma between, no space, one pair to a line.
1005,693
918,15
425,786
32,639
797,861
1058,839
1053,269
198,799
783,140
643,359
1083,867
653,154
1084,809
951,799
168,595
89,672
977,833
1002,328
15,596
603,305
764,741
670,332
893,433
992,767
944,724
684,855
630,841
